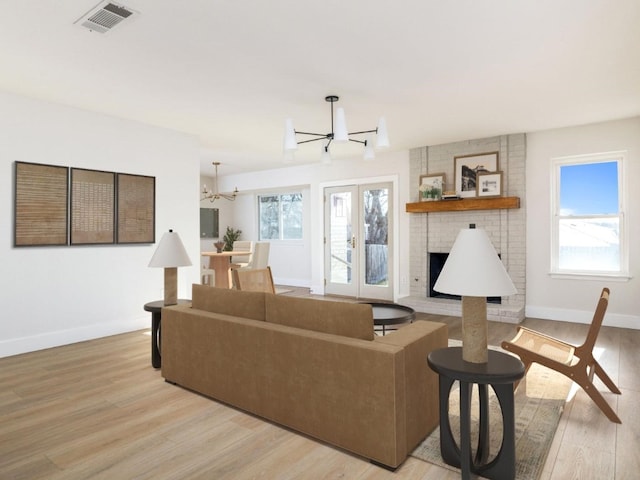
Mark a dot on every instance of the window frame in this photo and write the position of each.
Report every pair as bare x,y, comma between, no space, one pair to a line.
557,163
280,217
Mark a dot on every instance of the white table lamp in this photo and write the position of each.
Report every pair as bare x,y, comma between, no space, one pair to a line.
170,255
474,271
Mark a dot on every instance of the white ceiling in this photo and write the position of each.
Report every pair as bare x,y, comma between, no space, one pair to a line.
231,71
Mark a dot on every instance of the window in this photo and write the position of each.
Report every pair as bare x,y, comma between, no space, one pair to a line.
588,228
280,216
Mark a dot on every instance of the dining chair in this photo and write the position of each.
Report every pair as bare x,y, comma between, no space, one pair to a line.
242,246
575,362
207,275
259,258
262,255
254,280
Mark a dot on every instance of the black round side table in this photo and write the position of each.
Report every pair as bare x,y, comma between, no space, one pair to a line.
500,372
155,308
387,315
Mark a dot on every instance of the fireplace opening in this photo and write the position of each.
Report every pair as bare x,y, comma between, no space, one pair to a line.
436,262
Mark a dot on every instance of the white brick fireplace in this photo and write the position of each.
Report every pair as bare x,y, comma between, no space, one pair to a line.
436,231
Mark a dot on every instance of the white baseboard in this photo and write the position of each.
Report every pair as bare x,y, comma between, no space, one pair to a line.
291,282
317,289
16,346
582,316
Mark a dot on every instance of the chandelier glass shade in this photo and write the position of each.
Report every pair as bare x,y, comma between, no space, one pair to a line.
339,133
213,195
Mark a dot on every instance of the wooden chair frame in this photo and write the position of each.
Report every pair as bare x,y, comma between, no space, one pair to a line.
575,362
255,280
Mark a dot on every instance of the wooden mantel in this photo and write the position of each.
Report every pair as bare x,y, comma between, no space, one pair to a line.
464,204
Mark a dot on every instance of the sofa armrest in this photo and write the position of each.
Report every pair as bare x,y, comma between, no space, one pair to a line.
419,339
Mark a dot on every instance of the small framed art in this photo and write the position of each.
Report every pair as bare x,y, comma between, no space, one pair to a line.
467,168
431,187
489,184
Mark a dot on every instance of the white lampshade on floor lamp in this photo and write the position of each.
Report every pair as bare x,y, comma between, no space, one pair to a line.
474,271
170,255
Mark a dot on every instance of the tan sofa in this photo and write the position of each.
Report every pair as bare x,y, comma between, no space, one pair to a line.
312,365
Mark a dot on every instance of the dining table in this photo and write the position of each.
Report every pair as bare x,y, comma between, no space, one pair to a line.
220,263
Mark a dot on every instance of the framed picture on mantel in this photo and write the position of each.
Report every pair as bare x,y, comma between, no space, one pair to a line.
489,184
431,187
467,168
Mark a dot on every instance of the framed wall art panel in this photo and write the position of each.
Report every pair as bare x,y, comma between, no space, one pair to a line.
41,211
466,169
92,207
136,208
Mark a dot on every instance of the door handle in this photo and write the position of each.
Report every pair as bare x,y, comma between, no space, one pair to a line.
353,241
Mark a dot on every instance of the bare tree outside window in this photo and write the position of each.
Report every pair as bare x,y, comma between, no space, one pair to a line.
376,224
280,216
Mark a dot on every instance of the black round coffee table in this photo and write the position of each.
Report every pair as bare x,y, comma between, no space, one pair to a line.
387,315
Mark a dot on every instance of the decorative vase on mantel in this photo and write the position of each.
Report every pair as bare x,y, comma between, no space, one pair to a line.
219,246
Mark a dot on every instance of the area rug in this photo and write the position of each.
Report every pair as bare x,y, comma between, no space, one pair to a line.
539,402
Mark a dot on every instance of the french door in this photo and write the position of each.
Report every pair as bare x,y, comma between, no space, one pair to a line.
358,250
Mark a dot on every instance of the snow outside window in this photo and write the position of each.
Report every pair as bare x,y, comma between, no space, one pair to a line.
588,227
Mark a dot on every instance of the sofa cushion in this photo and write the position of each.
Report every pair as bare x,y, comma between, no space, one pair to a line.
228,301
338,318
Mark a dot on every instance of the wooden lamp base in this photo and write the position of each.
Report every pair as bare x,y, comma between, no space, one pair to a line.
474,330
171,286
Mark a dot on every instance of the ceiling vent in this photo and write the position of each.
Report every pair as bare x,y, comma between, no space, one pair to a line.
104,17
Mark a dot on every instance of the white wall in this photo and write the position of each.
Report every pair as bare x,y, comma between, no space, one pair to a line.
59,295
290,257
546,297
575,299
301,264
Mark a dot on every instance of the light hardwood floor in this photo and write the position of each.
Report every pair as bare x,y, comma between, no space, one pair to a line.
98,410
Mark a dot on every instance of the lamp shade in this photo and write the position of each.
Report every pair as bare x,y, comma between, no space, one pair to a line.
341,133
325,155
369,154
382,136
473,268
290,142
170,252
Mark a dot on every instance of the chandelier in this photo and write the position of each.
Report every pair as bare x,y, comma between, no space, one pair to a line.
337,134
213,195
